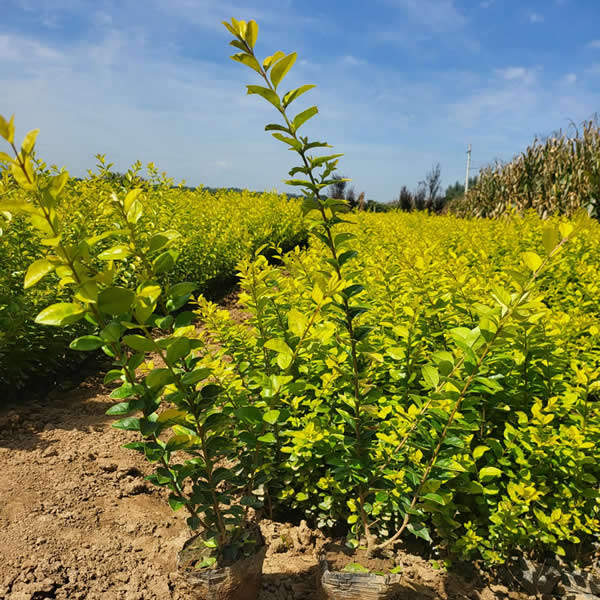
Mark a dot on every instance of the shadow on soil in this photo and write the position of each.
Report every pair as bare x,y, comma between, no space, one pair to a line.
80,408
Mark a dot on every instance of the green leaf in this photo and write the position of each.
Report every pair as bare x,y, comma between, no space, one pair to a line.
122,408
489,473
158,378
251,33
304,116
60,314
119,252
163,262
195,376
266,93
479,451
115,300
281,68
271,416
276,127
346,256
352,290
550,238
176,502
87,343
532,260
29,141
128,424
139,343
248,60
436,498
269,438
355,568
113,375
37,271
178,349
251,414
293,94
296,145
431,376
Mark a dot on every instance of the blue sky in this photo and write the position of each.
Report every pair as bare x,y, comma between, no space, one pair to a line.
401,83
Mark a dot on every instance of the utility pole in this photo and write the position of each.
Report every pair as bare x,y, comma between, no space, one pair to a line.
468,168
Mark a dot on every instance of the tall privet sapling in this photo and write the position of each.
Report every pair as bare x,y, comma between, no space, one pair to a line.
382,464
180,411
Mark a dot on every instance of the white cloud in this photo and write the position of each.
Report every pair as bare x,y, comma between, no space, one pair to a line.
353,61
595,44
570,78
15,48
535,17
435,15
517,73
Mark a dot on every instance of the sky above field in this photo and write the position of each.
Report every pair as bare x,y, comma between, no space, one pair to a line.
402,84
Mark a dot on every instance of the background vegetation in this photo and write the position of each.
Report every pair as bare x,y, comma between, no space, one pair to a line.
218,228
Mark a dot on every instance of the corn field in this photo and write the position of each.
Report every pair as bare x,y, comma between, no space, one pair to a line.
556,176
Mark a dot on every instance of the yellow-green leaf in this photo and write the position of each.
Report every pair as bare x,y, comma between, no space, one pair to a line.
7,129
532,260
304,116
270,60
566,229
60,314
550,239
281,68
29,141
37,271
248,60
130,199
251,33
119,252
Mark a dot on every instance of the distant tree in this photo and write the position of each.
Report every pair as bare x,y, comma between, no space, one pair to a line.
338,189
351,197
420,196
405,200
433,186
457,190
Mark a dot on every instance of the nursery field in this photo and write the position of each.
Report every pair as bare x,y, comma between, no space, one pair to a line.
531,421
411,400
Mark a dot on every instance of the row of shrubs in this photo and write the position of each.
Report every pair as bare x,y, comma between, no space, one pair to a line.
452,322
217,229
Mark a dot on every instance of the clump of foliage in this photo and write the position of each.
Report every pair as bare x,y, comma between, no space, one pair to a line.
182,412
216,230
395,416
558,176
